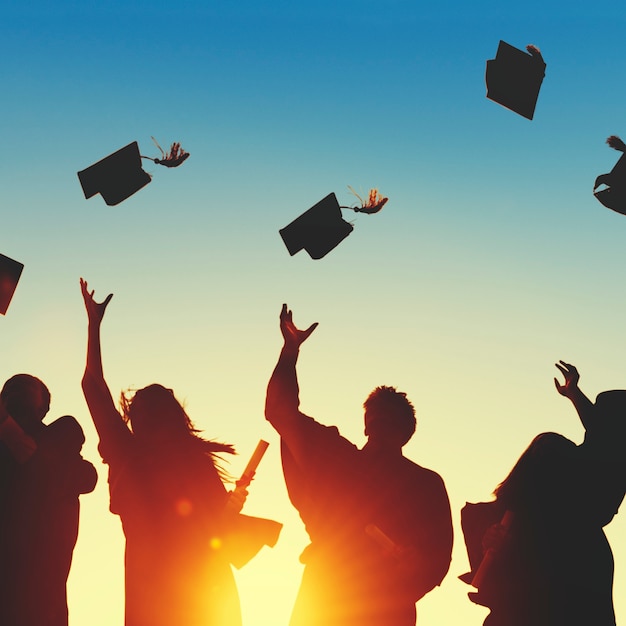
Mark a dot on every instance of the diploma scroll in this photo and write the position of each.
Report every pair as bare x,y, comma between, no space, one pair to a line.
383,540
253,463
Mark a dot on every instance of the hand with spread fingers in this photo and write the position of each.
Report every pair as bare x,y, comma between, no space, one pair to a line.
293,337
95,310
571,375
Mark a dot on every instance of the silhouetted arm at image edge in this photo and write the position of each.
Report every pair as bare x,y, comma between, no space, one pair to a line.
570,389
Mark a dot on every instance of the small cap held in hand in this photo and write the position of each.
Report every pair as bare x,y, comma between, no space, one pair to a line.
116,177
10,272
318,230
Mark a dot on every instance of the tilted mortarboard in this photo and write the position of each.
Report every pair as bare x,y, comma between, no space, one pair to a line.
322,227
514,77
119,175
10,272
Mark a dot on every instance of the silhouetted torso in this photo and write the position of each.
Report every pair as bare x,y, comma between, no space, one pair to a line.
39,511
603,453
339,490
556,569
170,504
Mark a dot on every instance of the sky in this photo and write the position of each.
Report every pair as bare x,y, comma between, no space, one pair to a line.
491,261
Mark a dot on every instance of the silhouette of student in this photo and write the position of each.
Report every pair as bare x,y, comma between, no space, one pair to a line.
165,485
603,476
604,446
347,496
547,567
42,474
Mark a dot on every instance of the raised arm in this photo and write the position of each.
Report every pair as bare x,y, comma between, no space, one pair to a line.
282,400
569,389
105,416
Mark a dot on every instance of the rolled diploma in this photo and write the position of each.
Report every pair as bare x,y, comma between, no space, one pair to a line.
382,539
253,463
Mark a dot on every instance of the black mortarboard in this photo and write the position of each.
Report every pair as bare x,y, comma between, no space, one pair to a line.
10,272
614,195
317,230
115,177
514,77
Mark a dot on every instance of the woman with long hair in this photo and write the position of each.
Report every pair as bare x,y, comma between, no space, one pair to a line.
167,488
549,563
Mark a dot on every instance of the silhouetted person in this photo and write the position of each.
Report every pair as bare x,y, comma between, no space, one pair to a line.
42,474
604,446
177,516
546,563
603,476
347,497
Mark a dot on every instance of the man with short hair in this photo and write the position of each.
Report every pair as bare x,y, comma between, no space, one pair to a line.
379,524
42,473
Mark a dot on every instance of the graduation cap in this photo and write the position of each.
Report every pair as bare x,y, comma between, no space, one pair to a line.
120,175
10,272
613,193
322,227
514,77
115,177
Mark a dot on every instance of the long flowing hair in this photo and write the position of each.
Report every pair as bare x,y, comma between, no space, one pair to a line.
538,472
155,409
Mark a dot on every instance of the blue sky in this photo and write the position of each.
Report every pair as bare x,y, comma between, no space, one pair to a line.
491,260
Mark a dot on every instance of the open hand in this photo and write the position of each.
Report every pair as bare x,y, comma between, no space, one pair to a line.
293,336
572,377
95,310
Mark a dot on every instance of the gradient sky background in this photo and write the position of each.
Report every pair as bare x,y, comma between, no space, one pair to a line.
491,260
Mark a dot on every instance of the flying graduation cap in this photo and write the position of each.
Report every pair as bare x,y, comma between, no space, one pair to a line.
514,77
322,227
10,272
119,175
613,192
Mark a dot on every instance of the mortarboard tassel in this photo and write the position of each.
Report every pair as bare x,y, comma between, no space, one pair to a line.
616,143
173,158
374,203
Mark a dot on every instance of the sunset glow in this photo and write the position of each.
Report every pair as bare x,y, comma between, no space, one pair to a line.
491,260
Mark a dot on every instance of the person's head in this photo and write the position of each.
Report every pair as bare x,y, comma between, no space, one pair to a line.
157,418
389,417
539,472
154,412
26,399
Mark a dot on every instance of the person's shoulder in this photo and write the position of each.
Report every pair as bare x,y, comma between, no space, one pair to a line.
333,433
66,432
327,437
422,473
67,423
